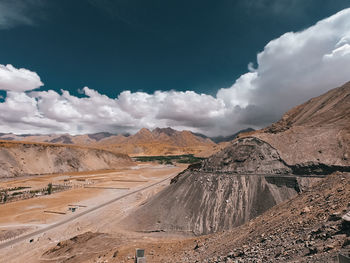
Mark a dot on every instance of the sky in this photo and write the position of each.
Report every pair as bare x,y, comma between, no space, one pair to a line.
213,67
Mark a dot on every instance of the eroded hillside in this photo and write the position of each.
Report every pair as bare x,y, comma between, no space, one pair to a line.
24,158
317,131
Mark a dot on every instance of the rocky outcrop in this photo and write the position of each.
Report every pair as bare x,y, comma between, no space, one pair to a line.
247,156
250,155
21,159
309,228
202,203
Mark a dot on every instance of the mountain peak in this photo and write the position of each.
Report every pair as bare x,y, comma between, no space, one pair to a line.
144,133
168,131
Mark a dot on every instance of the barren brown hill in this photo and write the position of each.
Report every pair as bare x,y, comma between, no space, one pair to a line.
29,158
256,172
317,131
165,141
84,139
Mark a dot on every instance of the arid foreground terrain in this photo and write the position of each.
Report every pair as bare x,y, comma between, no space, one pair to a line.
95,201
307,228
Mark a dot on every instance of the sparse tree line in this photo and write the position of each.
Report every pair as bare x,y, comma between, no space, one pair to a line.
170,159
14,194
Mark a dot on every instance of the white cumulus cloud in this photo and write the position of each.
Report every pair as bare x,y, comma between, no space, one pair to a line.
292,69
13,79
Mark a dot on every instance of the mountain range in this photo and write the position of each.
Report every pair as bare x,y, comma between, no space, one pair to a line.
160,141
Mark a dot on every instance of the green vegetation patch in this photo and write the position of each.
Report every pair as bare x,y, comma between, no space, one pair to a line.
169,159
13,189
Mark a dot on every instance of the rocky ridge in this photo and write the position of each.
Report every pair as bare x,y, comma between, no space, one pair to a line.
317,131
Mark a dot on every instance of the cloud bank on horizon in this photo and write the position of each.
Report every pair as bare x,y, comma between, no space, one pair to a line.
290,70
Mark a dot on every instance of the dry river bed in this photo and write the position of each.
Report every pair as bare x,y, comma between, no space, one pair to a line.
88,206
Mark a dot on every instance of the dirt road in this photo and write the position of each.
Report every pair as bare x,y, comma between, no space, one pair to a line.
43,230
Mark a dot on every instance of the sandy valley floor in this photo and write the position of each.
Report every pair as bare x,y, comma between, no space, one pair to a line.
91,189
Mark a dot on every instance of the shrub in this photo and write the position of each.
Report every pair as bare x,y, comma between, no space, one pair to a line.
49,188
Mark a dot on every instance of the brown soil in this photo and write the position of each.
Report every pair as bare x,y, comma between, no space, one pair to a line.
26,216
11,233
104,220
86,186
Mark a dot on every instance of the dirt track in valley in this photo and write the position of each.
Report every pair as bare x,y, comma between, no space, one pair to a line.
29,214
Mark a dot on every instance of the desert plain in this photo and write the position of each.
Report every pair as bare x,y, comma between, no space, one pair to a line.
96,201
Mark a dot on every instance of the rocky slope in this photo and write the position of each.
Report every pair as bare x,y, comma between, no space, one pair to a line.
25,158
307,228
209,203
256,171
317,131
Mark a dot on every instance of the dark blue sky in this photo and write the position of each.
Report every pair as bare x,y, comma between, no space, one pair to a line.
111,46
